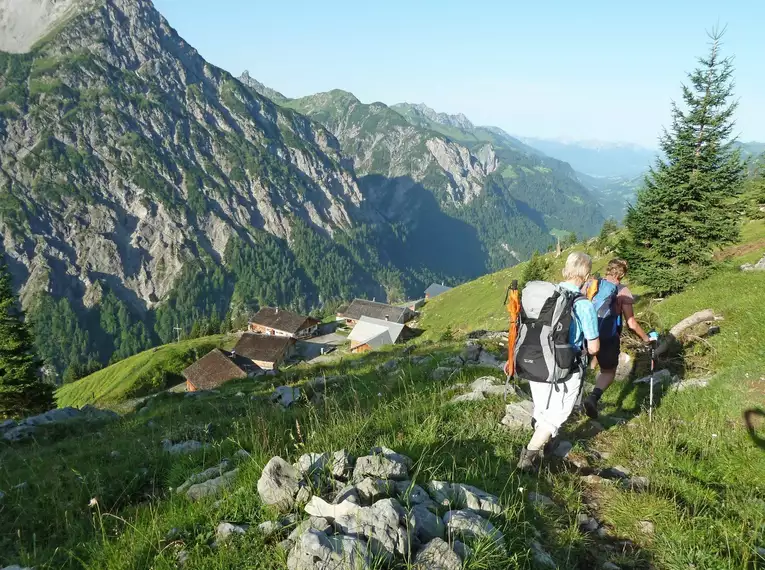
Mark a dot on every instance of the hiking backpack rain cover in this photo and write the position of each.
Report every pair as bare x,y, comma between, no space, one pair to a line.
543,352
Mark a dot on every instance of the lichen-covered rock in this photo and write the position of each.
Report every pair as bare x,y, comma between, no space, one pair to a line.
205,475
372,490
391,466
279,484
424,524
411,494
341,465
181,448
310,463
319,524
379,525
460,496
437,555
518,415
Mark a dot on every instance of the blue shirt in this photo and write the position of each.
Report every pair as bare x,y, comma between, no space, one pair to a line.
584,325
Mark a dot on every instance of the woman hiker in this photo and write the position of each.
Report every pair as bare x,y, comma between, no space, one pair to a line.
608,357
553,404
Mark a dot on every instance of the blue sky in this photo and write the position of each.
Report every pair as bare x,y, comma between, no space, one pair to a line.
579,70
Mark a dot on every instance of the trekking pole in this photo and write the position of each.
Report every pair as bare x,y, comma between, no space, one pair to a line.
654,339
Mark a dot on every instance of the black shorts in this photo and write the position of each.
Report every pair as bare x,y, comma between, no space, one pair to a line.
608,356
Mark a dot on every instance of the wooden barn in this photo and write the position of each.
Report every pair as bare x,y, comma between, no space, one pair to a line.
265,351
216,368
280,322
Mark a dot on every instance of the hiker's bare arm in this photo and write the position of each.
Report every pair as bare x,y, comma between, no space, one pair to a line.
593,346
629,317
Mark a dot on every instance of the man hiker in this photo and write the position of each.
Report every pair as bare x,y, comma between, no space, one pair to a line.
555,379
610,344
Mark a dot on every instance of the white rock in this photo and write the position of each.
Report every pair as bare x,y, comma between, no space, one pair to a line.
469,397
468,525
540,499
318,507
285,396
518,415
212,487
279,484
341,464
205,475
380,466
424,524
310,463
226,530
372,490
541,557
181,448
436,555
380,525
317,551
270,528
319,524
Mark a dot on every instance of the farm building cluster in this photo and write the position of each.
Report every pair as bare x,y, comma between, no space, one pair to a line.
276,336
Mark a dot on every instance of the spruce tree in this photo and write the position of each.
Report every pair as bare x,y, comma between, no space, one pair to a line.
685,211
22,391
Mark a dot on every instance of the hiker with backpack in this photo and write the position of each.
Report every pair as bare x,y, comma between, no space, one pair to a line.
557,327
613,303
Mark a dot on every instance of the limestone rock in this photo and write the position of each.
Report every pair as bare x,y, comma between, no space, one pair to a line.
348,493
411,494
469,397
424,524
646,527
341,464
636,484
460,496
468,525
390,454
316,551
226,530
372,490
270,528
462,550
310,463
379,524
471,352
541,557
442,373
587,523
212,487
540,499
436,555
318,524
518,415
318,507
382,467
205,475
279,484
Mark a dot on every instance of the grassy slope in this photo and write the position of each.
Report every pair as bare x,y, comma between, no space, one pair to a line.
133,376
706,498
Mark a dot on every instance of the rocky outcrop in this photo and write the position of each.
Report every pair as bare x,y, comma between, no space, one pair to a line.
13,431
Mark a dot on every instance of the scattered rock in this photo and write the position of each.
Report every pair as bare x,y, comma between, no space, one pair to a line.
563,448
646,527
624,367
242,454
436,555
657,377
279,484
212,487
475,499
318,524
205,475
341,464
759,266
348,493
372,490
610,566
317,550
518,415
310,463
390,454
181,448
454,362
424,524
578,461
388,366
226,530
442,373
587,523
594,480
541,557
681,385
381,466
411,494
318,507
539,499
285,545
19,433
637,484
16,567
379,524
471,352
114,454
183,558
270,528
285,396
616,472
468,525
469,397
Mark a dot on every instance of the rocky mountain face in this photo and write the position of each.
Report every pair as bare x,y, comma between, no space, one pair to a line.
124,154
509,196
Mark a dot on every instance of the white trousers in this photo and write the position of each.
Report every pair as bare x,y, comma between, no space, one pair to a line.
552,409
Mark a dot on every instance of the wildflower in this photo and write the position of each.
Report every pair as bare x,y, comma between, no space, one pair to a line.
379,394
521,489
93,502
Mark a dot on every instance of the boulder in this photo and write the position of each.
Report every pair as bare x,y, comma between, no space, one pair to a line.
460,496
587,523
372,490
318,524
539,499
318,507
205,475
382,467
468,525
285,396
425,525
471,352
636,484
518,415
226,530
379,525
182,448
411,494
316,551
341,465
279,484
610,566
656,378
462,550
348,493
310,463
436,555
212,487
19,433
390,454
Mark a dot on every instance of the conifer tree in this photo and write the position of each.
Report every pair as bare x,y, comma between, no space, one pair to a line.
22,391
685,211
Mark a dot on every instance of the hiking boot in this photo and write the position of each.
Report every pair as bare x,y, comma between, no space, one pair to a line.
529,459
590,404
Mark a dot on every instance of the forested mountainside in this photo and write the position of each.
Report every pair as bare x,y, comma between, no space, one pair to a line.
145,193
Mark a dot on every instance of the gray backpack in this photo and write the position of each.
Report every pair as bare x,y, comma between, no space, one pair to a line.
542,351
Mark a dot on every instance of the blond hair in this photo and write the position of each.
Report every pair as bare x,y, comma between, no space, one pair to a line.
617,268
578,266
